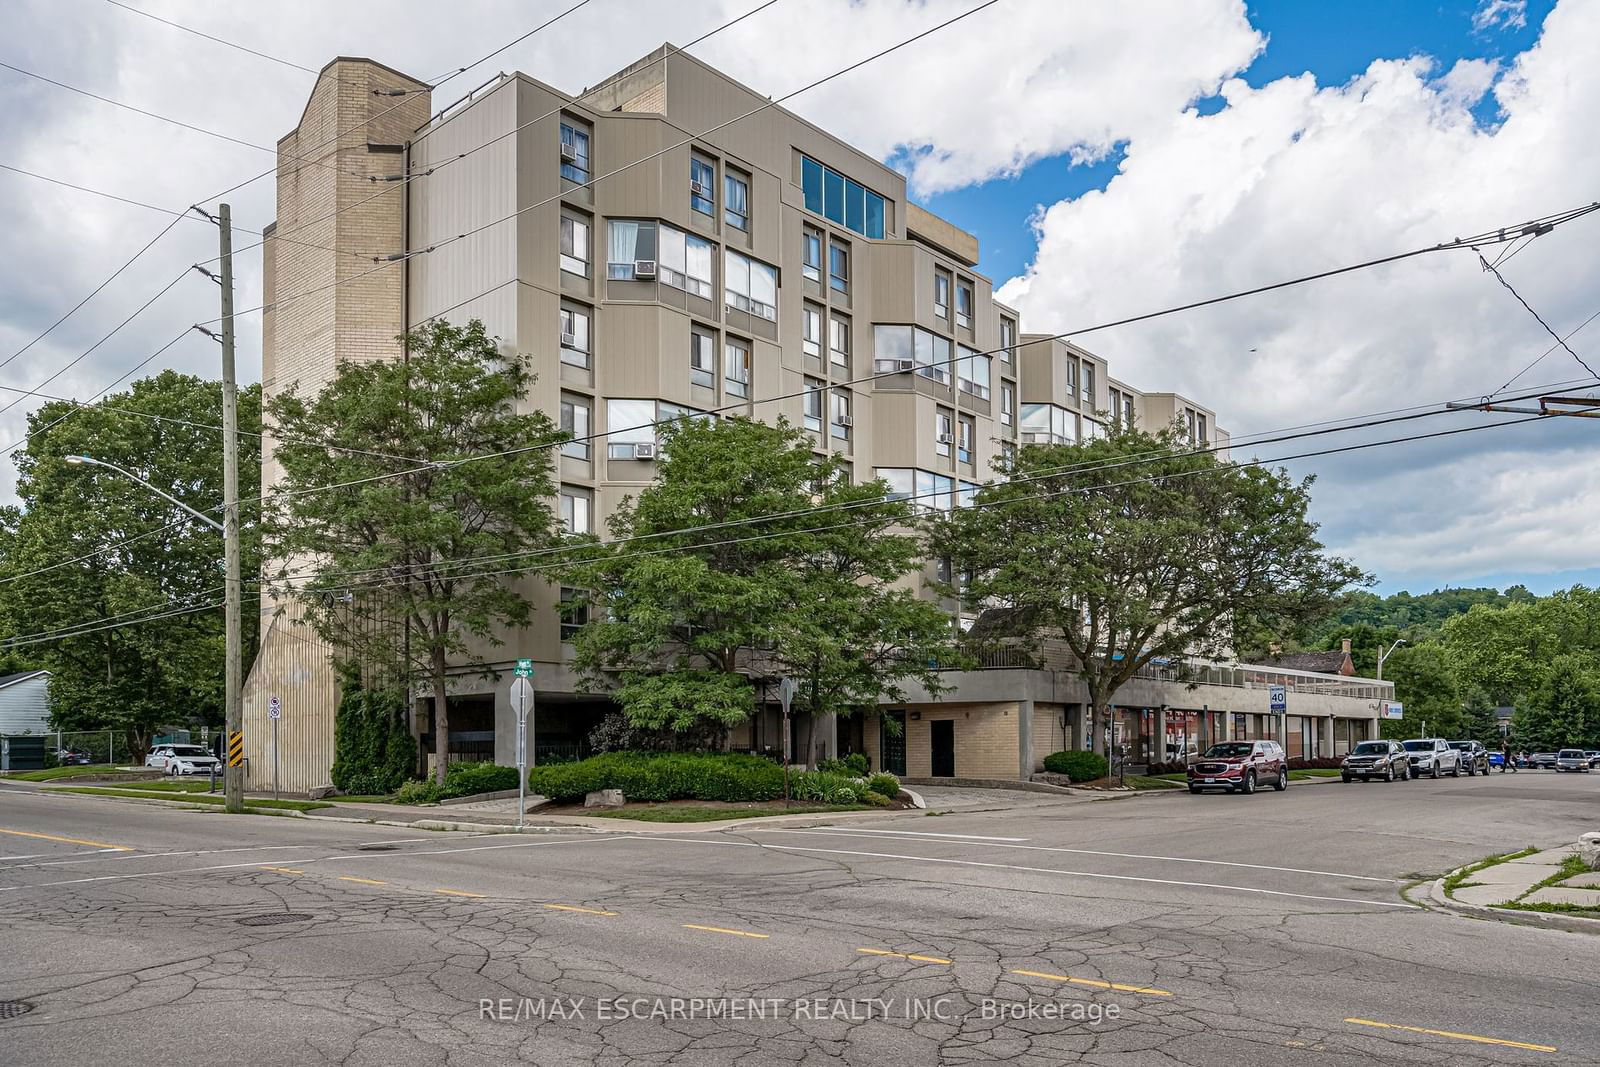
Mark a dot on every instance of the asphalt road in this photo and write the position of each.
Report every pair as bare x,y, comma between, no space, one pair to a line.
1170,930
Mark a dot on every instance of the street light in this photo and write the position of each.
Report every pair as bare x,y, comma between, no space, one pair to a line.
79,461
1382,655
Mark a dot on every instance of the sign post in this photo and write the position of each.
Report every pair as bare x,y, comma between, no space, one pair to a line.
786,690
274,712
522,704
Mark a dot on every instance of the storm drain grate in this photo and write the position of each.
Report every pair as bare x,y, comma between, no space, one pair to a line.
277,918
10,1009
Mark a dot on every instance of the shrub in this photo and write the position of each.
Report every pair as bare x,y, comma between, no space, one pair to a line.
1077,766
418,792
823,787
1315,762
661,776
851,766
373,750
1166,768
878,800
468,779
884,785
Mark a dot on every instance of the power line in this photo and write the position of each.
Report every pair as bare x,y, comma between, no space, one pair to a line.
1537,317
209,37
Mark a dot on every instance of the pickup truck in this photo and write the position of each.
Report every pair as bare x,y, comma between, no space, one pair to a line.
1432,756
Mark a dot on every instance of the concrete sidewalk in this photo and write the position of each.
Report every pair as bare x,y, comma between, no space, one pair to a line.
1504,890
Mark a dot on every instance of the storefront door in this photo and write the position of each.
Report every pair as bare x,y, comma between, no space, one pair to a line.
892,743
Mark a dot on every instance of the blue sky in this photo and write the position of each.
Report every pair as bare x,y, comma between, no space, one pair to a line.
1334,41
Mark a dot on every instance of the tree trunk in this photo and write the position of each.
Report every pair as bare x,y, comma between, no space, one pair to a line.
441,715
810,742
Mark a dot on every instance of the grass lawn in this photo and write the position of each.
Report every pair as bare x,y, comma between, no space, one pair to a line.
50,774
1313,772
366,798
696,813
188,796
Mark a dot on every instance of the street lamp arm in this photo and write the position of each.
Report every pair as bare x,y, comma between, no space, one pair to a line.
77,460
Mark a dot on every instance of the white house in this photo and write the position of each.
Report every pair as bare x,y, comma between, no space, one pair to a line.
25,703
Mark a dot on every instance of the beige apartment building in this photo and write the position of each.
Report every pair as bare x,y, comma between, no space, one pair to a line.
648,269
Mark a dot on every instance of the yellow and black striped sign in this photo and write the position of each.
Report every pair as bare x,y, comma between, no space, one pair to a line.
236,749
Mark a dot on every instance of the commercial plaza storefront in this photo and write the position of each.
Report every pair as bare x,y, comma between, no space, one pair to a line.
1000,723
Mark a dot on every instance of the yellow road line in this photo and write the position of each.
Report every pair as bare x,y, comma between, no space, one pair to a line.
67,840
585,911
457,893
724,930
902,955
283,870
1451,1033
1096,983
363,881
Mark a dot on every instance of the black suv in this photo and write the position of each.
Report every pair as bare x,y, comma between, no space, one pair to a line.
1376,759
1474,757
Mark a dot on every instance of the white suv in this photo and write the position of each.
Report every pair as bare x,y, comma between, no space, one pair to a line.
1432,756
181,759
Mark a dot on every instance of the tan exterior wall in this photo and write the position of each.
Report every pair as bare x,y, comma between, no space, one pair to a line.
985,739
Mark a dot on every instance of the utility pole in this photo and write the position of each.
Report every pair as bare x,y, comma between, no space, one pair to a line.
233,777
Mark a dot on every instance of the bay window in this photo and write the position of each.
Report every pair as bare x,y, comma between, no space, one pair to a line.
751,285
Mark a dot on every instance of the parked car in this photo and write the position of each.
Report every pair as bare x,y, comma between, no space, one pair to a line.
181,759
1542,760
1594,756
1432,756
1474,757
1572,759
72,757
1240,766
1376,759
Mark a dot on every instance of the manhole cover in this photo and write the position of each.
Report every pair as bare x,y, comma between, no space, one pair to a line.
277,918
377,848
10,1009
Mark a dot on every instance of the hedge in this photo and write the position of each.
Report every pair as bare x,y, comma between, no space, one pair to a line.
1078,766
885,785
662,776
373,750
460,780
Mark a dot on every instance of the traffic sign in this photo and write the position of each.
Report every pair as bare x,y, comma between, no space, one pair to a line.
274,708
524,668
1278,696
521,697
236,749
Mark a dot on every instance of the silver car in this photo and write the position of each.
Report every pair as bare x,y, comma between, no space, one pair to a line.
1572,759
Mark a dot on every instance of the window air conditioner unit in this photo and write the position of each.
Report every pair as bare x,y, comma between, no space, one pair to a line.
569,340
699,189
569,152
947,439
905,364
645,450
644,268
844,420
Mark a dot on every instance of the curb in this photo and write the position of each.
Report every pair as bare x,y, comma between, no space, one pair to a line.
620,826
1576,924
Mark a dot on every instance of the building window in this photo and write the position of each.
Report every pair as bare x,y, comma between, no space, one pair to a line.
574,612
1048,424
848,203
575,246
944,431
972,373
813,404
630,247
682,260
841,421
574,335
736,368
1008,340
574,153
702,185
811,254
575,423
1189,424
629,423
702,359
751,285
966,494
839,267
1200,423
736,200
811,330
575,510
1008,404
839,341
905,348
927,490
966,438
941,295
964,304
1071,378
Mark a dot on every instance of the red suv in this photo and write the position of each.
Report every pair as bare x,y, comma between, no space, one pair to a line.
1240,766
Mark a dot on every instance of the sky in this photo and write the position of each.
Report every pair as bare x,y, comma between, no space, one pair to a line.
1112,156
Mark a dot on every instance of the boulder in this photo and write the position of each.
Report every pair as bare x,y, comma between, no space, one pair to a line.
322,792
605,798
1589,850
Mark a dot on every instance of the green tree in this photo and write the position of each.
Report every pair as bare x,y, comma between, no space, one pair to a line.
1563,709
1481,723
1502,651
699,605
119,557
1425,683
1132,547
386,569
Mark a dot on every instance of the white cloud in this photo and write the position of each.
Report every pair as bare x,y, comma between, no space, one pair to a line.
1512,14
1294,177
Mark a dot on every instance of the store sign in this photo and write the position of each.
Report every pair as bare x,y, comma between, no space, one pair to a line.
1391,709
